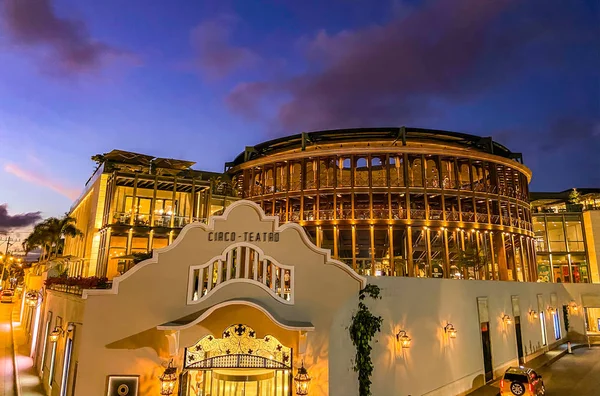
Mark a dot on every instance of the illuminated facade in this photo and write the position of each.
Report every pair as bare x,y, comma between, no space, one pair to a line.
567,235
246,305
134,203
399,201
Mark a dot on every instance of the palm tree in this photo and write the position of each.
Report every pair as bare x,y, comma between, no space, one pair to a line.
38,238
57,229
48,234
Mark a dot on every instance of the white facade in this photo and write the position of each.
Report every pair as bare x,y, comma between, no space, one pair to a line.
273,280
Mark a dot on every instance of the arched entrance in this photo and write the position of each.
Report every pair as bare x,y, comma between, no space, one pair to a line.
238,364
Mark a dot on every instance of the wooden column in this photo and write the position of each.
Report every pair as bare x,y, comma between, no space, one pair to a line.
409,252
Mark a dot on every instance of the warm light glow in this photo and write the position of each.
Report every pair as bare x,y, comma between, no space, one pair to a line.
506,319
450,330
302,380
53,337
168,380
403,338
533,314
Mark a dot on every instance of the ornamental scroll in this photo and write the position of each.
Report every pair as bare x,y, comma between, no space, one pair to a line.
239,348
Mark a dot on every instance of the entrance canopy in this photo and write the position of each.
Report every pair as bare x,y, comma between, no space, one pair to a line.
199,316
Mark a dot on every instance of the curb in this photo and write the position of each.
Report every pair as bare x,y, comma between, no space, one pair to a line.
17,381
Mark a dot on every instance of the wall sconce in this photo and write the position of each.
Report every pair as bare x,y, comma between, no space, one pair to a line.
573,307
53,337
450,330
302,380
58,331
551,310
533,314
168,380
33,298
506,319
403,339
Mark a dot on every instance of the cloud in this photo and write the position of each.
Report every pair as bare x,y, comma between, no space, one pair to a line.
8,222
216,56
446,51
67,42
42,180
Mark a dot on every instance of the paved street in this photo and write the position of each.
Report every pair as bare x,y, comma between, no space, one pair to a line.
574,375
6,362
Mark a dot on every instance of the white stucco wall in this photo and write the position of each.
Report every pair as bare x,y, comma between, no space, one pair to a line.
434,364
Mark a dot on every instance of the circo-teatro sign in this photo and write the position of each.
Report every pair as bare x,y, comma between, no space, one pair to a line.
246,236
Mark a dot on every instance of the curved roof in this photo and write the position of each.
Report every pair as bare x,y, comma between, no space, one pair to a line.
393,134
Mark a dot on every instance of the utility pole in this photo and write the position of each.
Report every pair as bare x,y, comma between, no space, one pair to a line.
8,244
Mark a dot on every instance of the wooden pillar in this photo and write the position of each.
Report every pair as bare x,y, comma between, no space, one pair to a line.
372,235
409,252
354,247
336,238
153,204
391,250
175,207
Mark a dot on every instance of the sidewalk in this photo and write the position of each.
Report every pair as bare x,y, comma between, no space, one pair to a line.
27,380
6,354
493,388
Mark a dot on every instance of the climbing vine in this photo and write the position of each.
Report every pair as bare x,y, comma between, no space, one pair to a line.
363,328
566,317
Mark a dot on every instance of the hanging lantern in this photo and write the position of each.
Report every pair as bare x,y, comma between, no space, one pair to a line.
168,380
53,337
302,380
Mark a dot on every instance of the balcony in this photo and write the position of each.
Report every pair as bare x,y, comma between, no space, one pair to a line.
362,214
435,214
326,214
417,214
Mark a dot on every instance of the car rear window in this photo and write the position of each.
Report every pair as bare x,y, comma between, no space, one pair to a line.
515,377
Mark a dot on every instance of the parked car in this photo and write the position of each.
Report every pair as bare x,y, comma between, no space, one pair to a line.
522,381
6,296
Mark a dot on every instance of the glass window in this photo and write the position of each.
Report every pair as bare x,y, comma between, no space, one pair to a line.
363,251
575,236
539,228
361,177
419,240
281,177
311,174
295,176
396,171
579,267
399,252
378,172
448,175
543,265
326,172
432,173
556,235
345,246
415,171
344,178
560,265
463,174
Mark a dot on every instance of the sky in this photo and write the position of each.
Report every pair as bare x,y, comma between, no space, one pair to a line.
200,80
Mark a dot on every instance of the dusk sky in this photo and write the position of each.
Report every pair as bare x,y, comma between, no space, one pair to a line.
199,80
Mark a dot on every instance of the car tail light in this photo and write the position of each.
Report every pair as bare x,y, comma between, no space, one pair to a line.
501,384
531,388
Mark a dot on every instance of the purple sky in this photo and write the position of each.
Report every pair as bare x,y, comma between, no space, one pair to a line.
199,80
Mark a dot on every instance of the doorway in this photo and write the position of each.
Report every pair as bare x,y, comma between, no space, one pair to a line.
239,364
487,351
519,339
238,382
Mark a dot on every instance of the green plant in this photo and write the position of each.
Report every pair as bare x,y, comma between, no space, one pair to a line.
363,328
566,317
574,196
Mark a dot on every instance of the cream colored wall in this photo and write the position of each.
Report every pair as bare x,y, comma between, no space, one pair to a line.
155,293
591,222
434,365
69,308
